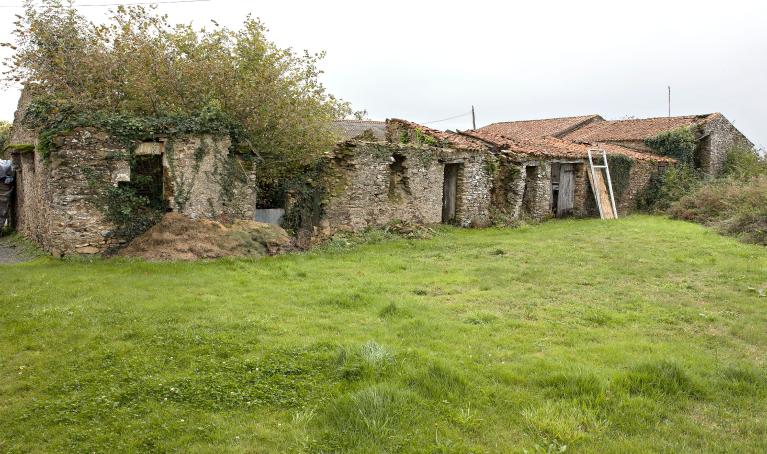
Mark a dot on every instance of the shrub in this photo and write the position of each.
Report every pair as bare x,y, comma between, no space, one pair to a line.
667,187
743,162
733,207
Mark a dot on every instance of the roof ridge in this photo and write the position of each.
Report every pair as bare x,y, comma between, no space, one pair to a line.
664,118
543,119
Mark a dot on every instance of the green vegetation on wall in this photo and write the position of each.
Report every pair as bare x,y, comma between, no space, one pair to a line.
620,173
678,143
666,187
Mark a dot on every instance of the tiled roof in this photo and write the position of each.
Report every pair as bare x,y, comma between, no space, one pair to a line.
633,130
453,139
552,147
351,129
540,147
532,129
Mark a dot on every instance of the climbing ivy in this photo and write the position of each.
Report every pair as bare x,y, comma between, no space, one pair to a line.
53,118
677,143
620,173
130,213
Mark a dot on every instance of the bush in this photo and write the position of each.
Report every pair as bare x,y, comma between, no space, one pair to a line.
667,187
731,206
743,162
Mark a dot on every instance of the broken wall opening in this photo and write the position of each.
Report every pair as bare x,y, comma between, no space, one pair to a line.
398,181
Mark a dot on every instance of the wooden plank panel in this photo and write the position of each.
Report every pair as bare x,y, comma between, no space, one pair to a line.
601,191
566,195
449,190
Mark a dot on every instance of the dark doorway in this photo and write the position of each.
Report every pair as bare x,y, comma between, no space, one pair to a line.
450,193
146,179
565,190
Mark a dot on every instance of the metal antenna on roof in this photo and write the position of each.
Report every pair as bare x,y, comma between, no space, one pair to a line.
669,101
473,119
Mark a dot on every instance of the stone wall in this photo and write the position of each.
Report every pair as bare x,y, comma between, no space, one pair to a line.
522,190
377,183
719,135
58,206
205,181
639,177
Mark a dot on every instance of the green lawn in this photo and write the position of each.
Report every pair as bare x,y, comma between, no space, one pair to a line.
642,334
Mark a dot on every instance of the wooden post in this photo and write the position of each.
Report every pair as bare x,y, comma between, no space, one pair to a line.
473,120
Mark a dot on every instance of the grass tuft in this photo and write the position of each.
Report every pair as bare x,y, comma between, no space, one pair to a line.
658,379
439,382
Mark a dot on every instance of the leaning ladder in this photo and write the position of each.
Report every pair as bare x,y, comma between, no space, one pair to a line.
595,182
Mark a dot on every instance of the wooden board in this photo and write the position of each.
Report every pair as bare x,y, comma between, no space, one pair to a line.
601,191
566,190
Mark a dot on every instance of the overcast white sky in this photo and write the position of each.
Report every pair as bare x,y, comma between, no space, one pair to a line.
429,60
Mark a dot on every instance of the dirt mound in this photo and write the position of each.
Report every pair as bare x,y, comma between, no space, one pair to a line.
177,237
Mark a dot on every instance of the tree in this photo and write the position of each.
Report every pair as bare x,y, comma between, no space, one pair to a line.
138,64
5,135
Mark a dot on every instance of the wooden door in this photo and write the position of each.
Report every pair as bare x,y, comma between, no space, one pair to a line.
566,193
449,190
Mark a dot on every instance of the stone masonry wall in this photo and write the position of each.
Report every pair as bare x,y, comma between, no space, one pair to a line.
521,194
639,178
722,135
59,209
373,191
204,181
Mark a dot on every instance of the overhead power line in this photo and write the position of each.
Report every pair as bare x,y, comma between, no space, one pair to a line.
449,118
159,2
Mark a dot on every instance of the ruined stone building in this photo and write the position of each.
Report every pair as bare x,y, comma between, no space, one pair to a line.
474,178
61,196
379,173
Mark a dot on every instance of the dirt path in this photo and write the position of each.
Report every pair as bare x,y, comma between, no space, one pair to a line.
11,252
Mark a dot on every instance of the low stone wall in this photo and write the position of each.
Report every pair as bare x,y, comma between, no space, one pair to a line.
59,208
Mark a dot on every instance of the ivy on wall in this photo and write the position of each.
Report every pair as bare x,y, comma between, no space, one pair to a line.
677,143
620,173
53,119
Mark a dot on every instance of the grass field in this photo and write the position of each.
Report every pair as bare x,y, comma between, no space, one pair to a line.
638,335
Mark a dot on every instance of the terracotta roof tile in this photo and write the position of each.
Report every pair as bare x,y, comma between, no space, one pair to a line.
531,129
551,147
633,130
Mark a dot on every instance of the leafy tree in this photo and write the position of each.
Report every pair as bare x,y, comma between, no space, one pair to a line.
138,64
5,135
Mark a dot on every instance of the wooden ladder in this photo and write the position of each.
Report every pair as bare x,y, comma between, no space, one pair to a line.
603,193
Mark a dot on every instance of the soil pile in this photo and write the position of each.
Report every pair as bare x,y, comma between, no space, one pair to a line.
177,237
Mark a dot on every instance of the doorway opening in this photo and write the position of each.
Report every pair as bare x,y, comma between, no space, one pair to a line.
450,193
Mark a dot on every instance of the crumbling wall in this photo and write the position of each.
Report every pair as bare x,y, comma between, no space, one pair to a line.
522,191
377,183
58,201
